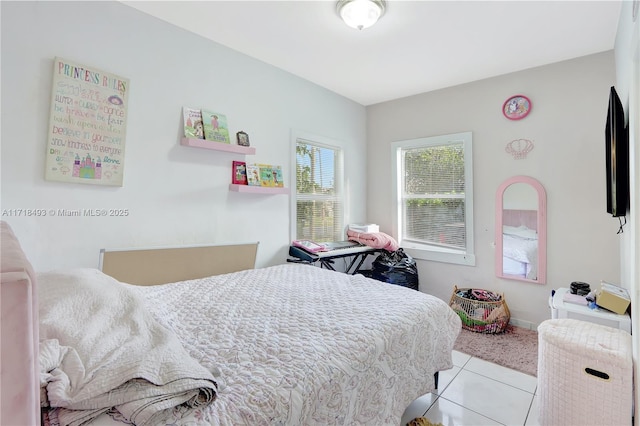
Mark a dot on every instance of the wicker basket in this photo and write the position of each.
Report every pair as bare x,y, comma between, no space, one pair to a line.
486,312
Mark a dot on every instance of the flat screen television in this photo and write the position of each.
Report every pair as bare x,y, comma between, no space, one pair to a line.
617,157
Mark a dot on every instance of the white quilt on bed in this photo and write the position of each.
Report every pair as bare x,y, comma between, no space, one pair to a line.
100,348
523,249
300,345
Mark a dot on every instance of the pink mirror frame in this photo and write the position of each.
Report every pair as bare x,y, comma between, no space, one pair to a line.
541,229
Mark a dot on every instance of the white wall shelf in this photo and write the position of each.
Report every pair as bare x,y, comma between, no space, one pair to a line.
257,189
218,146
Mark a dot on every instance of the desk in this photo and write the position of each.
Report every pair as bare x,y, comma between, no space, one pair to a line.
562,309
358,255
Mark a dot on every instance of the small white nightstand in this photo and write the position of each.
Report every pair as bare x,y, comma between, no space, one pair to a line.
562,309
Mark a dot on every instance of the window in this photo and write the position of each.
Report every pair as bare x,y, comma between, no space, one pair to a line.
433,192
319,203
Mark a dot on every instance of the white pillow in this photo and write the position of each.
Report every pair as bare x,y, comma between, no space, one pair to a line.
520,232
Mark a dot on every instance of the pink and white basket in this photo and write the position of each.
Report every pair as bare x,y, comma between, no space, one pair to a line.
585,374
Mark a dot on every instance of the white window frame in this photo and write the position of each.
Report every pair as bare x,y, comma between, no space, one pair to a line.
322,142
429,251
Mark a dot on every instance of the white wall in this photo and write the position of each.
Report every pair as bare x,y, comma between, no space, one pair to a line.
627,54
175,195
566,124
624,57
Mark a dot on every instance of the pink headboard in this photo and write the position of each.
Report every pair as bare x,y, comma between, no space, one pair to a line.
19,365
528,218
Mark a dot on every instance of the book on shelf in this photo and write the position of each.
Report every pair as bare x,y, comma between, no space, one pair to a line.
216,128
193,126
266,175
277,176
271,176
239,173
253,175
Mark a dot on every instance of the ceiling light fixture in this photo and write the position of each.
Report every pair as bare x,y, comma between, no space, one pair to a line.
360,14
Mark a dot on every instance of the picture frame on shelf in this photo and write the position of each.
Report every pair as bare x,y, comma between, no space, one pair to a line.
239,173
242,138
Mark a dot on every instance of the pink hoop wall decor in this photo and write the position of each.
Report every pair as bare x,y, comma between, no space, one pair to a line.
519,148
516,107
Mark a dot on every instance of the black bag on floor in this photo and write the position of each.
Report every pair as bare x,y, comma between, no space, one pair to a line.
395,267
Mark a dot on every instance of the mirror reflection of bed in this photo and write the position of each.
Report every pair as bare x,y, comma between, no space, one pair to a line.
521,230
520,243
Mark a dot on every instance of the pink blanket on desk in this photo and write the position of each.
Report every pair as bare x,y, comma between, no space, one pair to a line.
378,240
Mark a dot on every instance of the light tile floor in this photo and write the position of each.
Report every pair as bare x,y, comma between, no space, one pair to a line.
477,393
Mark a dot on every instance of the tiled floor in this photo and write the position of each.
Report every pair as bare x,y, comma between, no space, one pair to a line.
477,393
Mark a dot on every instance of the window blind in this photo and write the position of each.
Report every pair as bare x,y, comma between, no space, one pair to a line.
319,202
433,195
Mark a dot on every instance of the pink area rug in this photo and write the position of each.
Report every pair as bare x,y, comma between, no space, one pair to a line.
515,348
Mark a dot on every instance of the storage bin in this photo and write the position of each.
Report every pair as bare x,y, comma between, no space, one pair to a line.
585,374
480,310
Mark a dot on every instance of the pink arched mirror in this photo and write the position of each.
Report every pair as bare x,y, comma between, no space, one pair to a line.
521,230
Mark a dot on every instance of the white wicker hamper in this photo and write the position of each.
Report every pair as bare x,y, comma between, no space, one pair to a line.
585,374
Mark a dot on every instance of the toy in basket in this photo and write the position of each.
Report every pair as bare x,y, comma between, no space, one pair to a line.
480,310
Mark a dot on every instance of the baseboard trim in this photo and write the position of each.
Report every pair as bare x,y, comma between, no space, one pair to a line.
524,324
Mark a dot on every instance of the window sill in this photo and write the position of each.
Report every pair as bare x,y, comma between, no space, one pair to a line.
439,254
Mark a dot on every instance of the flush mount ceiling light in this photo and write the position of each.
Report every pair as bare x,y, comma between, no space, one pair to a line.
360,14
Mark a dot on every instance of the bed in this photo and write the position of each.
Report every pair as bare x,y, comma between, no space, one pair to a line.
520,244
284,345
